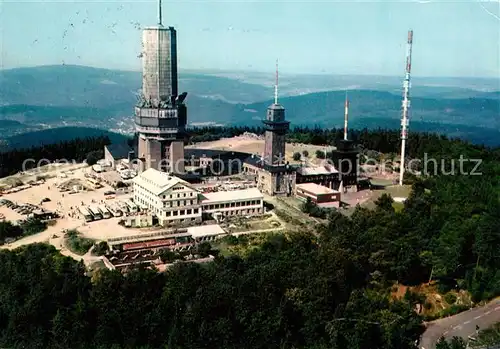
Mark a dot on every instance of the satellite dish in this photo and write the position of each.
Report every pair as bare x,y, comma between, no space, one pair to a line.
181,97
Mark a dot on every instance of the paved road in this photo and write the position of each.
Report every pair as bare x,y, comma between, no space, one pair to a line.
461,325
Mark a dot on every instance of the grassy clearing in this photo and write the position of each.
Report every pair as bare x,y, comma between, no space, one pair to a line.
393,190
254,225
241,245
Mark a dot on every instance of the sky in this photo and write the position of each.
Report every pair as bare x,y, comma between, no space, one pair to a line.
451,38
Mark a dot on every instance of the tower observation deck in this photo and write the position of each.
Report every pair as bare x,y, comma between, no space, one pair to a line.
160,113
276,129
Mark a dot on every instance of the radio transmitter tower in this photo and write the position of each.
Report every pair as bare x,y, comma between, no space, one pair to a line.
406,106
346,116
160,113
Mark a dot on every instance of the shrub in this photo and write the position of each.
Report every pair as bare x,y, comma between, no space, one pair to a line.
450,298
320,154
230,240
168,256
78,244
101,248
93,157
204,249
296,156
8,230
33,226
444,286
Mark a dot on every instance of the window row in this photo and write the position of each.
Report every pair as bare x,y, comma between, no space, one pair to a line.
188,211
233,204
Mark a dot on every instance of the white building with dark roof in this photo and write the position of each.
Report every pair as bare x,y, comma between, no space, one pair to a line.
175,201
170,198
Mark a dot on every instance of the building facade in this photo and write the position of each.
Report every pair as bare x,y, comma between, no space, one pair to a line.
169,198
326,176
233,203
174,201
320,195
274,176
346,160
276,129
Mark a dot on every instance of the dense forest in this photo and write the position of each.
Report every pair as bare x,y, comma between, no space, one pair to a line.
76,150
329,288
381,140
288,294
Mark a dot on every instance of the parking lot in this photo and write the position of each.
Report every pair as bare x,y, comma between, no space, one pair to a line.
58,195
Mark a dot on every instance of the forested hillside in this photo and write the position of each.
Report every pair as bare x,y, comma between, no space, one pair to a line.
51,96
385,141
381,140
75,150
329,290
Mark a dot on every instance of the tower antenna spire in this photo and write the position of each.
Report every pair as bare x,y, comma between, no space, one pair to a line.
276,85
159,13
346,115
406,106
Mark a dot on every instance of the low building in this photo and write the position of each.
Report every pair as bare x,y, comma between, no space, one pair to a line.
116,152
138,221
211,162
272,180
233,203
325,175
320,195
146,248
346,160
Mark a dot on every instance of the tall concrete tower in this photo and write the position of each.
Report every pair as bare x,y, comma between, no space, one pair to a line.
160,113
276,128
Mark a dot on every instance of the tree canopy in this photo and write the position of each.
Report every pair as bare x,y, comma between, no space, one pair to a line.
327,290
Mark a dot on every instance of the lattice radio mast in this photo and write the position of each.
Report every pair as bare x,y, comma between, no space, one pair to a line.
405,121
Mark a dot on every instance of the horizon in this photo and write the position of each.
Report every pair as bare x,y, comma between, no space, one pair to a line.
212,71
365,39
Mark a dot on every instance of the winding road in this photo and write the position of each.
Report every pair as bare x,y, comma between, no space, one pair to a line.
461,325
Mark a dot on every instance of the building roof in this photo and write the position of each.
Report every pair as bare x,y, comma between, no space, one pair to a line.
214,153
317,170
205,230
231,195
246,158
158,182
119,150
316,189
257,162
275,106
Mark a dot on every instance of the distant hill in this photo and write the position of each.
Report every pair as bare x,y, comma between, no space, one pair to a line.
56,135
10,124
327,108
68,85
45,97
118,117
